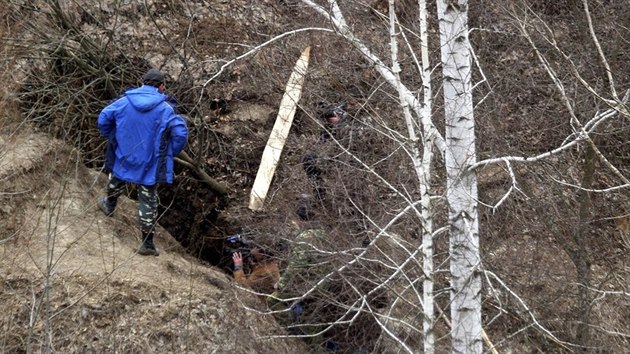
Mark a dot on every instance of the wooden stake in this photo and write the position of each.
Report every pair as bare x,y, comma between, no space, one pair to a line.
279,133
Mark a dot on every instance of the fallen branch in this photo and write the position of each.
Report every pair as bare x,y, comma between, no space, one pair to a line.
187,161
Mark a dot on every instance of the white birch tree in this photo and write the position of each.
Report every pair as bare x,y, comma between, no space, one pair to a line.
425,191
461,190
459,153
422,162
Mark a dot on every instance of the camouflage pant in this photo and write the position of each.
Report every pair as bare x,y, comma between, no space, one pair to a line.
147,202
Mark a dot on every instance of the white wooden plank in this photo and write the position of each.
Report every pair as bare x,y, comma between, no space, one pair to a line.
279,133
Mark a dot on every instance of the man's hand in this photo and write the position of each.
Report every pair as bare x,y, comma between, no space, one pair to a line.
237,258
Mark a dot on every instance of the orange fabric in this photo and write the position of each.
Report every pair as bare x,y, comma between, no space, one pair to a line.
261,279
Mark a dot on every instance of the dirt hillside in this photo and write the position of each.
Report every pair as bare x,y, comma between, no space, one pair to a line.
70,278
554,233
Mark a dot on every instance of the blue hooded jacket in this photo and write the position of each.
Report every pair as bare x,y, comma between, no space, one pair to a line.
145,134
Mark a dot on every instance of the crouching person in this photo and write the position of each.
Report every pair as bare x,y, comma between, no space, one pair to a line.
298,303
263,275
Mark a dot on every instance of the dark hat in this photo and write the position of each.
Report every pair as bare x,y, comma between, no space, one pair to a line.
153,75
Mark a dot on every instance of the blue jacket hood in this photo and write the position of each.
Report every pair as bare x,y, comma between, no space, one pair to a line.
145,134
145,97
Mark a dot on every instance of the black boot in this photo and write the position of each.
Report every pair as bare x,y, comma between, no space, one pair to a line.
106,207
147,248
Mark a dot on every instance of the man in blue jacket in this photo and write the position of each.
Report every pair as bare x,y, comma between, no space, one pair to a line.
144,134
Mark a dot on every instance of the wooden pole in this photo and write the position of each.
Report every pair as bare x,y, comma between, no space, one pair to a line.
279,133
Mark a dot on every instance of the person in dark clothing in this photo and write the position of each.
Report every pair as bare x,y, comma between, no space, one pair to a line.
313,168
313,162
144,134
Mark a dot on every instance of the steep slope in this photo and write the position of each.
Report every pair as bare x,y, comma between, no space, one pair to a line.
70,280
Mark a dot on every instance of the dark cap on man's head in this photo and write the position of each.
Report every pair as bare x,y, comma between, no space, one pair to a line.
153,75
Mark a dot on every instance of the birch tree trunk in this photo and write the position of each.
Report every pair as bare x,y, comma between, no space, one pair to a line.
461,182
421,164
425,188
